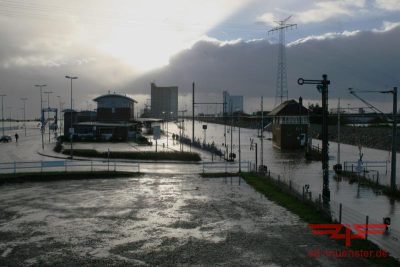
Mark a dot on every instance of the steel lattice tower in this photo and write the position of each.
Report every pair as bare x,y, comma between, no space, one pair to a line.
281,79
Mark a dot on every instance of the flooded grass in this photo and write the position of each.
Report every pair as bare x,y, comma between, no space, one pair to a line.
353,177
272,191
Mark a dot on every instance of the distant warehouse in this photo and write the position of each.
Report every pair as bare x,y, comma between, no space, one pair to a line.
164,102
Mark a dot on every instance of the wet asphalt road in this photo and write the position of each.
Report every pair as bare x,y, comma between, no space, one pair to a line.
154,220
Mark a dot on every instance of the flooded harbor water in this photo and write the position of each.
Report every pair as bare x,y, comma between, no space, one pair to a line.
293,166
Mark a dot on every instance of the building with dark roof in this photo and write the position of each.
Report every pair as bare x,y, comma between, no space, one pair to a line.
113,121
115,108
290,125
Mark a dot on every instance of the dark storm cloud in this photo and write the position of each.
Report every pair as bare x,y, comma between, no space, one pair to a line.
363,60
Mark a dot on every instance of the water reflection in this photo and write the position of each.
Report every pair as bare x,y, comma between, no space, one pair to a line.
293,166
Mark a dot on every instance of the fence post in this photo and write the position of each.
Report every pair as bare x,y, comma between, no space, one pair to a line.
15,167
340,213
366,227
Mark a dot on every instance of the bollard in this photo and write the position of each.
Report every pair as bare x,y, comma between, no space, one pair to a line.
340,213
366,227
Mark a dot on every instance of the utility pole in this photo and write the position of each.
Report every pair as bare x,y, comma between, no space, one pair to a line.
240,158
59,103
394,127
48,108
192,113
41,112
281,81
322,86
394,142
262,132
2,112
71,129
24,100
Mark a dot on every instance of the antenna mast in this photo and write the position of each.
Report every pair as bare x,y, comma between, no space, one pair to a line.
281,80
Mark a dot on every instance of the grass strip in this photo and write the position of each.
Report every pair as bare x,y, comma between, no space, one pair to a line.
58,176
147,155
269,188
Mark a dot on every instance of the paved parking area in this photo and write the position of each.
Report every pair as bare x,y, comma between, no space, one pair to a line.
154,220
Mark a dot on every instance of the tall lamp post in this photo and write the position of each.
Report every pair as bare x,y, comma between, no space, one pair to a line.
41,112
71,128
24,100
2,112
48,108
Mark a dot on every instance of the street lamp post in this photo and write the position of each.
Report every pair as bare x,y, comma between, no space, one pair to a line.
24,100
41,112
59,112
2,112
48,108
71,128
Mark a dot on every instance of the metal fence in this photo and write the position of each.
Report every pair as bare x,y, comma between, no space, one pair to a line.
213,167
337,212
67,165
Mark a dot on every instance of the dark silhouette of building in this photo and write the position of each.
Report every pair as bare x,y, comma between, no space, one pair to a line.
290,125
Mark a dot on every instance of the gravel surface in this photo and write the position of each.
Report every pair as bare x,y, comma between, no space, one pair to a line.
153,221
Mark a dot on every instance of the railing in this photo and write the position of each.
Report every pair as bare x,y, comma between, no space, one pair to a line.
389,241
67,165
210,167
366,165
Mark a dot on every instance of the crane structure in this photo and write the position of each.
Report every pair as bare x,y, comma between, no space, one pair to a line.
281,80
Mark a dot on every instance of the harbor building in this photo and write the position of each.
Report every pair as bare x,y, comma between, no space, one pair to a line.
290,125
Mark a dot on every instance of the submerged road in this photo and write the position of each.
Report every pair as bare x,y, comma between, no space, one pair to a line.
154,220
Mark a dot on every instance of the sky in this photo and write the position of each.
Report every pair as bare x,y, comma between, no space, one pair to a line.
123,45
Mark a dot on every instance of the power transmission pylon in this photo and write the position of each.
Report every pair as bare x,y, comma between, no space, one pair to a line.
281,80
